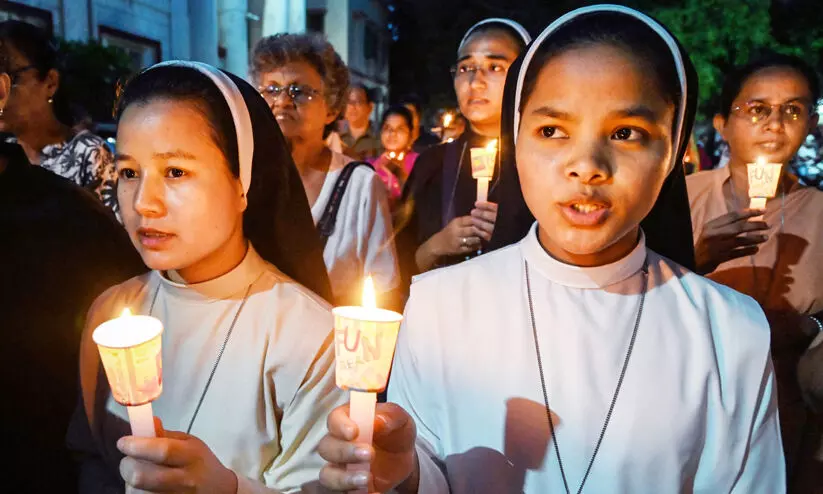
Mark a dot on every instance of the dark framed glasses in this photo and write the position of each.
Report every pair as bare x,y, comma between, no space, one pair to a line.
298,93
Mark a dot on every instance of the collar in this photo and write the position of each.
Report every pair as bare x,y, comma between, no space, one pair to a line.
582,277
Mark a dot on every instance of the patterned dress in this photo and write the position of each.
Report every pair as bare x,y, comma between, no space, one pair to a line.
86,160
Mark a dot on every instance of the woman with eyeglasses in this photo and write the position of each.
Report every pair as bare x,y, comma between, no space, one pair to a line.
305,83
772,254
39,117
446,224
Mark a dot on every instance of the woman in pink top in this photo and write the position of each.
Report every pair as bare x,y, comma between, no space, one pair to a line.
395,163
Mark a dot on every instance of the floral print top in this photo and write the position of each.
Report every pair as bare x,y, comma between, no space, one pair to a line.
87,161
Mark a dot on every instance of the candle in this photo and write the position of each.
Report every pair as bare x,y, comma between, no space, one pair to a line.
483,168
447,119
130,350
364,340
763,180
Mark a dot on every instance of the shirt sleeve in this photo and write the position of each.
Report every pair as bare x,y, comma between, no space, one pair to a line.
416,372
376,240
302,426
101,176
763,470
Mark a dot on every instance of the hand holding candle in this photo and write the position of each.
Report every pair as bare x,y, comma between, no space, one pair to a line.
483,160
364,340
130,350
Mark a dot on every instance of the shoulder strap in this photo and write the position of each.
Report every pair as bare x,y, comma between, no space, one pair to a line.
326,224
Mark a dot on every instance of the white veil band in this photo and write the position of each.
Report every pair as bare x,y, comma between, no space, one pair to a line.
677,56
237,107
515,26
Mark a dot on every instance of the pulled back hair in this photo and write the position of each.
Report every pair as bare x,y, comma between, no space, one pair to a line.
276,51
628,34
368,92
41,52
400,111
277,206
734,81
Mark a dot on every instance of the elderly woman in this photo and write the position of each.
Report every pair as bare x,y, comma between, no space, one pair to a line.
305,83
38,115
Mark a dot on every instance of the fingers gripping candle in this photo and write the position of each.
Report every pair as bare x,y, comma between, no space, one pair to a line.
129,349
364,341
483,168
763,180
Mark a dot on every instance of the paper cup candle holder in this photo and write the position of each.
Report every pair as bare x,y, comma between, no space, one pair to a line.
130,350
763,180
364,341
483,160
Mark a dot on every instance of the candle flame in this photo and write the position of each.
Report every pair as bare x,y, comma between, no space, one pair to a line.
392,154
492,145
447,119
761,160
126,312
369,297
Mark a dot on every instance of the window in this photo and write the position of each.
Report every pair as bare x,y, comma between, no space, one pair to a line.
316,21
370,44
143,52
17,12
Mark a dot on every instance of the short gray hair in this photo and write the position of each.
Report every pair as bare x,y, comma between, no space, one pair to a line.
281,49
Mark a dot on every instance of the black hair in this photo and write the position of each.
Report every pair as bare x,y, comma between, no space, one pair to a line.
734,81
41,52
400,111
277,205
626,33
369,92
492,28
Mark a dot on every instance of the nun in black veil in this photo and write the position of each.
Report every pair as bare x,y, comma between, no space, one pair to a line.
212,201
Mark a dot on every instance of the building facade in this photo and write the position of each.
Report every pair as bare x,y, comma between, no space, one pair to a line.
219,32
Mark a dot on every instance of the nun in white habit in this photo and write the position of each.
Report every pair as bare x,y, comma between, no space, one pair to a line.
214,205
580,360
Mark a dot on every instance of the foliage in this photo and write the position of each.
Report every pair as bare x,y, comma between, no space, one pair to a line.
90,76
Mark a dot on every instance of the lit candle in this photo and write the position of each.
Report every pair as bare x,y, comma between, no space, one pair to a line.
130,350
447,119
364,340
763,180
483,168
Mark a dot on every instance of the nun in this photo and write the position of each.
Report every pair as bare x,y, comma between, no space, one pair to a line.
580,359
213,203
445,223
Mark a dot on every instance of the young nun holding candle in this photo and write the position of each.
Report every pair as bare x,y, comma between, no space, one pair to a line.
579,359
447,222
772,254
219,213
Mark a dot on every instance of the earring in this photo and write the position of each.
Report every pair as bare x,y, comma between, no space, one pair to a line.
1,111
51,100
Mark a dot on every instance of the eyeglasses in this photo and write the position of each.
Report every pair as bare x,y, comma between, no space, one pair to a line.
490,69
299,94
13,74
757,111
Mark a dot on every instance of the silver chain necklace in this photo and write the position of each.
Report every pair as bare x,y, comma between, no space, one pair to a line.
616,391
219,354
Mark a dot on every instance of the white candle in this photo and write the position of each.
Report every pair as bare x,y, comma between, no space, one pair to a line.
130,350
483,160
364,340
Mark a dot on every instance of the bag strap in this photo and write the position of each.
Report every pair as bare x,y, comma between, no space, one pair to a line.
326,224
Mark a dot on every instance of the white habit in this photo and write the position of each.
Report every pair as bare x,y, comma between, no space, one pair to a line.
696,412
265,410
362,243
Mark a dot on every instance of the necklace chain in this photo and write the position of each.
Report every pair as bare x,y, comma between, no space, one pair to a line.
219,354
616,391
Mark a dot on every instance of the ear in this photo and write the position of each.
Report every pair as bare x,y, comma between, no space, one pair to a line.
371,108
52,82
5,89
719,123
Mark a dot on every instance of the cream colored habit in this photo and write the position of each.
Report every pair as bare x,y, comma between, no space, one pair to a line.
266,408
696,412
